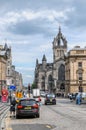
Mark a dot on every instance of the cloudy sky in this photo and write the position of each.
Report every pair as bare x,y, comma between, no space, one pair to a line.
31,25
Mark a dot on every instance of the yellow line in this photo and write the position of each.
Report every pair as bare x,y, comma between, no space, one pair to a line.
8,120
9,128
48,126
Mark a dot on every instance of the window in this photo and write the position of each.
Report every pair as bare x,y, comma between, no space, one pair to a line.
79,64
80,76
8,71
61,72
27,102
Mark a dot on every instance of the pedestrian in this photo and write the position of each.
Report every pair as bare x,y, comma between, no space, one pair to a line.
78,99
12,107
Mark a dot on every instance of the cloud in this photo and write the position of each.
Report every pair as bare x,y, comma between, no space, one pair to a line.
30,22
28,76
25,68
77,18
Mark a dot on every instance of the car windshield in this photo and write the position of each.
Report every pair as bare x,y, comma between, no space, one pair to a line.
51,95
27,102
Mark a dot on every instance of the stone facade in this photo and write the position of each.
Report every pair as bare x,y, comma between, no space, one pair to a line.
8,73
2,72
43,74
51,76
75,70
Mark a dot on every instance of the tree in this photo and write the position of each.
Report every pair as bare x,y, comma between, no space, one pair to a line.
33,86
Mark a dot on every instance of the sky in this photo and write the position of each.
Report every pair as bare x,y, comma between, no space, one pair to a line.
29,27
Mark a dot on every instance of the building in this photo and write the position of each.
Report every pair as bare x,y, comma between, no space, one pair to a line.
75,70
51,76
59,50
8,75
2,72
43,74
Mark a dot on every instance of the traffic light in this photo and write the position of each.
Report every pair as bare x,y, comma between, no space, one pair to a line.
29,88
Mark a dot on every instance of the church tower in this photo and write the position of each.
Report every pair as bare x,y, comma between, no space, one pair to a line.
59,46
44,62
59,50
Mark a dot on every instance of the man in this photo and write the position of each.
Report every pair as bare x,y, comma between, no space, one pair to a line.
12,107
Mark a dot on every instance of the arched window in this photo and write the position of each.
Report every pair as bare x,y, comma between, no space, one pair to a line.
61,72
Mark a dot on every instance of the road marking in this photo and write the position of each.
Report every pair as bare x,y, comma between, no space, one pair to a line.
9,128
8,120
48,126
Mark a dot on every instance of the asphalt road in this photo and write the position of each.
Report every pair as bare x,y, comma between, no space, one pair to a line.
65,115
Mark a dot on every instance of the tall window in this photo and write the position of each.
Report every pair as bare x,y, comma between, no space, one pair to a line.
79,64
80,76
61,72
8,71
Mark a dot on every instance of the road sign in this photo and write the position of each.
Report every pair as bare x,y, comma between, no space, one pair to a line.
12,87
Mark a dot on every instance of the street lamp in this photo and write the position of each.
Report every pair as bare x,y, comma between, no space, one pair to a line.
80,86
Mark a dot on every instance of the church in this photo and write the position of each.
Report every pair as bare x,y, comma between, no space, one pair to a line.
51,76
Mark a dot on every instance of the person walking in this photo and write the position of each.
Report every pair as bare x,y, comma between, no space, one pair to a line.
78,99
12,107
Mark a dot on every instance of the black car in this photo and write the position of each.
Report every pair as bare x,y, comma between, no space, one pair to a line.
27,107
50,99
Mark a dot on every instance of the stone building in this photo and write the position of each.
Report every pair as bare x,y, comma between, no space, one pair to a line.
2,71
59,50
75,70
11,76
51,76
43,74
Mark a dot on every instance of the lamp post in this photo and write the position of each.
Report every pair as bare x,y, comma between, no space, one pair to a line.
80,86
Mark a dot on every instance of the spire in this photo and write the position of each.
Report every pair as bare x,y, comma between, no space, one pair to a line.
44,58
5,46
59,30
60,40
36,62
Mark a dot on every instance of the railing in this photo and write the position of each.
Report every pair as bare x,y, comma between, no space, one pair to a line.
4,108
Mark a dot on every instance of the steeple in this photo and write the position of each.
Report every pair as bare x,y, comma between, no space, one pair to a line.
59,45
5,46
60,40
36,62
59,30
44,58
44,62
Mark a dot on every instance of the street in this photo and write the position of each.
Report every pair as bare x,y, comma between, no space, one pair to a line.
65,115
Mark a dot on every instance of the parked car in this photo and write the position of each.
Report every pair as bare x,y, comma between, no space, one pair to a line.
27,107
83,97
50,99
83,94
72,96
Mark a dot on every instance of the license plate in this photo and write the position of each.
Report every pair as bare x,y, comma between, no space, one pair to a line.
50,100
27,108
